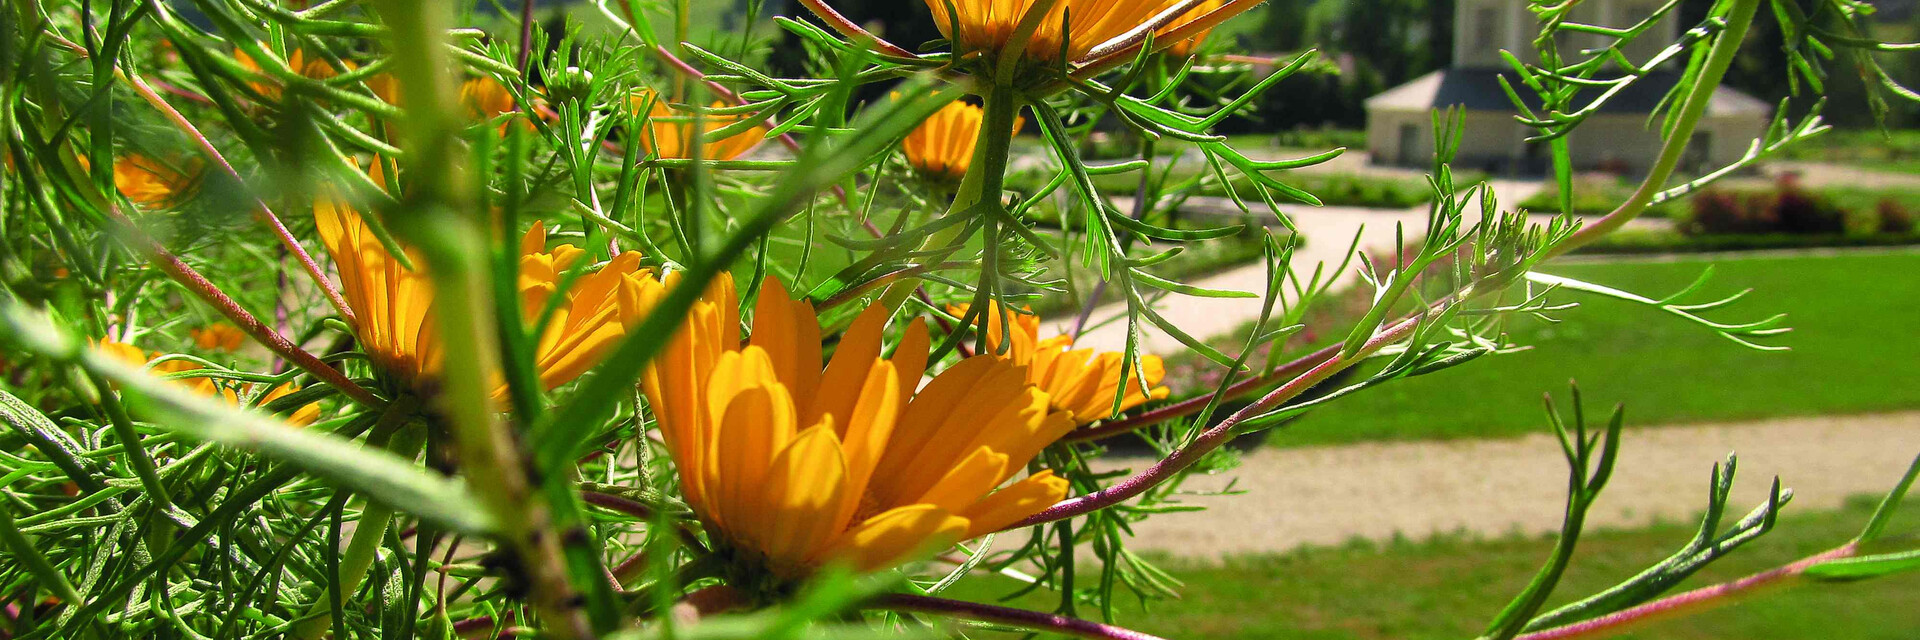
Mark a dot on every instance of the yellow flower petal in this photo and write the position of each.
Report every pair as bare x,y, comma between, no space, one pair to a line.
806,496
1015,502
758,422
887,539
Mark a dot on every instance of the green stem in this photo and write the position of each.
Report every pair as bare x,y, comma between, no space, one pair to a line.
440,218
1719,58
368,533
985,180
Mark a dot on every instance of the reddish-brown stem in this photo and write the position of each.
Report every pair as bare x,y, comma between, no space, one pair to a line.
526,34
1195,404
854,32
1213,437
1022,618
1718,594
612,502
265,214
178,269
477,626
175,90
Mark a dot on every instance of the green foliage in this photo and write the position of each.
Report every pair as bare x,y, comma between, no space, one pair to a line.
481,461
1790,209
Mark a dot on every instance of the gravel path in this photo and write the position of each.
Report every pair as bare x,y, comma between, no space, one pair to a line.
1329,495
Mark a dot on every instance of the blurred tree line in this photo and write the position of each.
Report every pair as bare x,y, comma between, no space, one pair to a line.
1376,45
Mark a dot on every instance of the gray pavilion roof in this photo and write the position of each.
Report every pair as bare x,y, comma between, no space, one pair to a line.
1479,90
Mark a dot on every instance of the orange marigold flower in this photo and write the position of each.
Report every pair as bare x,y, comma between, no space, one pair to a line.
943,146
386,87
485,98
303,416
218,336
669,132
315,67
793,466
152,184
1079,381
391,303
206,386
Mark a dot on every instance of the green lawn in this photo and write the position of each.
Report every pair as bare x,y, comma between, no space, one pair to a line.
1853,352
1450,588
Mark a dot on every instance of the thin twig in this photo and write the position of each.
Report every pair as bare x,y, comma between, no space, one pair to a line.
1725,48
265,214
1140,197
526,35
1718,594
855,32
198,284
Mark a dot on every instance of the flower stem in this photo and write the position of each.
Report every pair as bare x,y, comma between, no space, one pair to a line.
368,532
1719,58
853,31
453,235
265,214
985,180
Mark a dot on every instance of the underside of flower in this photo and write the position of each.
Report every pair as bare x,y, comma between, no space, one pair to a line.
1075,28
1186,47
794,466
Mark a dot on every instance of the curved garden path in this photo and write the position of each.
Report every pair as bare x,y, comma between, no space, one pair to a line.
1380,491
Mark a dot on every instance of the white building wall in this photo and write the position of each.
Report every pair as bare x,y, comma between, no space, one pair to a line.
1494,142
